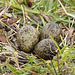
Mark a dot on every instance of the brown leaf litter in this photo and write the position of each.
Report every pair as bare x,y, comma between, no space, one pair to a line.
3,38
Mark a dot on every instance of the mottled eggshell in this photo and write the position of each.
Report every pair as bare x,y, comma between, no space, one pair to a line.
51,29
46,49
27,38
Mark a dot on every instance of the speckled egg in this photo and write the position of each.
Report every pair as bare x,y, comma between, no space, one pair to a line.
27,38
51,29
46,49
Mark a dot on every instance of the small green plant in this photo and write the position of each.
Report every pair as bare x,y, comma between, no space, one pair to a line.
1,48
3,32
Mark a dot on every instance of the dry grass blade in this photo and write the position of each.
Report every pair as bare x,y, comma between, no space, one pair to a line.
6,8
21,56
23,14
66,11
32,72
8,26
